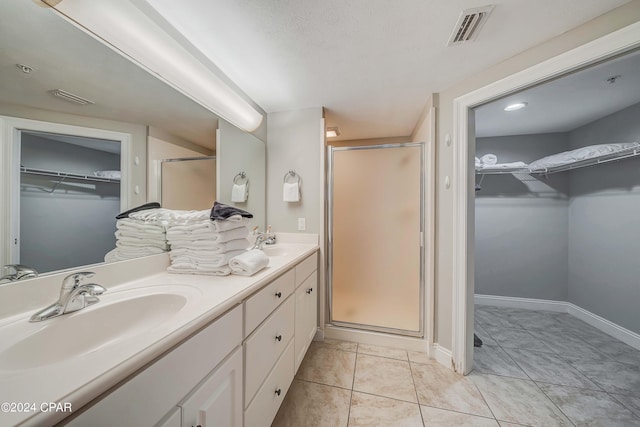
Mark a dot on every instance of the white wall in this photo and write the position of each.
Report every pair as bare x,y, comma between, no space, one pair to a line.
161,146
295,141
605,24
237,152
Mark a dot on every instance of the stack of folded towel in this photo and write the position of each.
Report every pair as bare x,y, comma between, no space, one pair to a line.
203,245
136,237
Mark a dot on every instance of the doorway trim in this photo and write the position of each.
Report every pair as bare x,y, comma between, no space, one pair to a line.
615,43
10,128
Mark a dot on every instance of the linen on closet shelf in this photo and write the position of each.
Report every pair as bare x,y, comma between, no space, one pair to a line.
582,153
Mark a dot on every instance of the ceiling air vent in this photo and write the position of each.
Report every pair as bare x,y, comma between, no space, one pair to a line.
68,96
469,24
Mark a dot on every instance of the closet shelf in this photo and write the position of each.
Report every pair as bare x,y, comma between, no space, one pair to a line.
605,158
66,175
501,171
625,153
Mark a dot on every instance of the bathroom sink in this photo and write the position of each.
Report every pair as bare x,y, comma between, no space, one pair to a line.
276,250
117,317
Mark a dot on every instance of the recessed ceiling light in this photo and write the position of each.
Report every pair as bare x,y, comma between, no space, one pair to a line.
333,132
515,107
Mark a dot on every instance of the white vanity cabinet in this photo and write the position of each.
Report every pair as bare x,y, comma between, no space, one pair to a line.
150,397
234,372
274,350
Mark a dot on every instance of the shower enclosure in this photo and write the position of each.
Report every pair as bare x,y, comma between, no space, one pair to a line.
376,229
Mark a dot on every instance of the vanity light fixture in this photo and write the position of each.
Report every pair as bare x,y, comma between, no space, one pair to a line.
333,132
123,26
515,107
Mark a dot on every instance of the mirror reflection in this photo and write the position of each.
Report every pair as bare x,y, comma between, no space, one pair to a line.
53,177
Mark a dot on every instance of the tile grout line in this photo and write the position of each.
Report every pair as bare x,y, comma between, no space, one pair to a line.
531,379
415,390
353,380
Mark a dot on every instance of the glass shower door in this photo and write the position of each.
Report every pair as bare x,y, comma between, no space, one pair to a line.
375,244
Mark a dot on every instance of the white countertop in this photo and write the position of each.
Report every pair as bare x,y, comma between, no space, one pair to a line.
80,379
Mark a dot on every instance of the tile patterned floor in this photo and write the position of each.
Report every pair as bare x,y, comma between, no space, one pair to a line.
535,369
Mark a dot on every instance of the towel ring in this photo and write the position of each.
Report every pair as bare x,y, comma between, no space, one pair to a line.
292,174
239,177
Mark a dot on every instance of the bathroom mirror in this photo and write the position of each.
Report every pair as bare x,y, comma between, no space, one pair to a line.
40,52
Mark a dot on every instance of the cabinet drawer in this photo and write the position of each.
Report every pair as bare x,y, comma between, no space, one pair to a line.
305,268
266,345
260,305
265,406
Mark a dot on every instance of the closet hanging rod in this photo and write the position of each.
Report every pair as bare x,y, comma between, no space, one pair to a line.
67,175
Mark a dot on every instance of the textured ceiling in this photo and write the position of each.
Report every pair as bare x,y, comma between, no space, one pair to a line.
371,63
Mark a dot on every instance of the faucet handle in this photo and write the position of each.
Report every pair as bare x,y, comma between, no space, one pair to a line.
74,279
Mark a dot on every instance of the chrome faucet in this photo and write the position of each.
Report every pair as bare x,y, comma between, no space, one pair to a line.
21,272
74,296
267,238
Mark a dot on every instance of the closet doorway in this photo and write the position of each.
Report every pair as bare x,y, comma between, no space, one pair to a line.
64,186
376,257
617,43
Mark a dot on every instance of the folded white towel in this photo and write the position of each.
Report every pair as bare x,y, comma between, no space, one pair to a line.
234,221
178,236
135,225
249,263
121,254
291,192
512,165
193,228
189,269
171,216
216,248
240,192
208,261
133,242
489,159
142,235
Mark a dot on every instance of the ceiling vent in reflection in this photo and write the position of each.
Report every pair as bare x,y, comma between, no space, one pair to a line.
68,96
469,24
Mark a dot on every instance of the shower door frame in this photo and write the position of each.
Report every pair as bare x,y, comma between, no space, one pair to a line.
330,169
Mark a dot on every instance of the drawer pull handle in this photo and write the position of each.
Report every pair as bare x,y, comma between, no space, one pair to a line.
279,337
279,294
278,391
309,290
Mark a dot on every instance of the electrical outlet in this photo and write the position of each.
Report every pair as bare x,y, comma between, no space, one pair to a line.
302,224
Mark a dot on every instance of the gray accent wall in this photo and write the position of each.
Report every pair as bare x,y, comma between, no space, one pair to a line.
521,223
604,225
572,236
75,224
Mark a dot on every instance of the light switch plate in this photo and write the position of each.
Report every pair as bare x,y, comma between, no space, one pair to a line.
302,224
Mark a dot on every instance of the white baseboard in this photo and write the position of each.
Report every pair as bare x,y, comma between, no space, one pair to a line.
525,303
442,355
629,337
